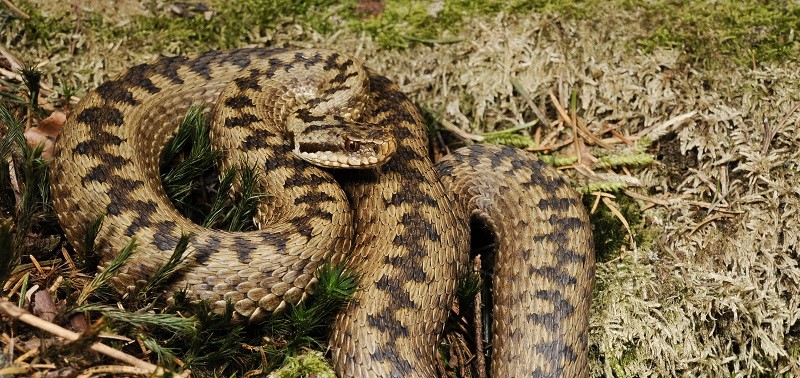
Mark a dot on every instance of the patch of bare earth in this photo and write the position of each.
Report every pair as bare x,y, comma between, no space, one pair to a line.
716,291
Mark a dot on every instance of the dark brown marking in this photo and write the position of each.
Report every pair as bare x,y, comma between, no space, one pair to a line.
239,102
96,174
317,147
310,61
399,198
401,367
394,287
96,145
556,203
201,65
548,184
258,140
249,82
278,240
165,241
307,117
562,308
413,272
386,322
566,223
168,67
244,248
303,226
243,120
341,77
204,250
116,92
554,274
101,116
557,351
330,63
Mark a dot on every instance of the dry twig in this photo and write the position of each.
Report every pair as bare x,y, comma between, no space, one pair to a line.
15,312
13,8
480,362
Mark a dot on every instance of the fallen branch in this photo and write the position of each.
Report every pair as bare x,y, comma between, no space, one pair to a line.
15,312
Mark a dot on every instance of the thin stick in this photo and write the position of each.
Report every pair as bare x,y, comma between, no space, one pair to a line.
522,91
708,220
13,8
577,127
457,130
769,133
24,316
480,361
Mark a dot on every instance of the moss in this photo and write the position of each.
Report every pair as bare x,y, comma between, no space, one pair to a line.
715,33
306,365
609,232
618,365
231,24
406,21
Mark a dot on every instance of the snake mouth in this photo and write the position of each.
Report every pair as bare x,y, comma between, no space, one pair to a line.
355,154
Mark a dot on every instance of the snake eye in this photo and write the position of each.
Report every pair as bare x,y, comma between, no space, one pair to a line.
352,146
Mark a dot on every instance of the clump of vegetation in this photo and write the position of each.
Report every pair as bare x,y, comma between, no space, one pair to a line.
401,23
716,33
196,27
609,233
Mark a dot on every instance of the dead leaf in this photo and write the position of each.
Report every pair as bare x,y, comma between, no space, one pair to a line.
46,132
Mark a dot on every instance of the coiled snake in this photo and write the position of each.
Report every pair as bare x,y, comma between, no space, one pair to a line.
401,224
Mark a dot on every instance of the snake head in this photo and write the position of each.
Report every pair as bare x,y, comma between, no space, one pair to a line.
337,143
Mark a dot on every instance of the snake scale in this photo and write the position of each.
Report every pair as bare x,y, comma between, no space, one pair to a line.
400,221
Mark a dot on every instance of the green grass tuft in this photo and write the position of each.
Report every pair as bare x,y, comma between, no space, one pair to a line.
307,324
240,217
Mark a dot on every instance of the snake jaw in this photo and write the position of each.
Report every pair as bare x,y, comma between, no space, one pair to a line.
349,153
335,141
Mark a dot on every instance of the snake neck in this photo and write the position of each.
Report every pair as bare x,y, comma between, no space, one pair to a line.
406,249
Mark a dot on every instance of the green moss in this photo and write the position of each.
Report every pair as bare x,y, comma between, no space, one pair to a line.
618,365
715,33
232,24
306,365
609,232
402,22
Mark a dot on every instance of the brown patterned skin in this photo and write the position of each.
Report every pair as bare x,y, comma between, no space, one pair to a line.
397,224
544,264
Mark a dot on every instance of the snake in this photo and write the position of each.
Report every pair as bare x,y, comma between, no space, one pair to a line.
343,154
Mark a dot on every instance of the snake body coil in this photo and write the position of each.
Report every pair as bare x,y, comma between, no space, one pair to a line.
401,224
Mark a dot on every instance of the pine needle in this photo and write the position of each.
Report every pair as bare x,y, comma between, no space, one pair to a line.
241,217
102,277
166,270
90,257
169,322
